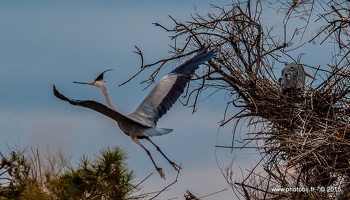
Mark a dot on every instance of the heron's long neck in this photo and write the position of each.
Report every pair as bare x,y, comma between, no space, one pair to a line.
108,100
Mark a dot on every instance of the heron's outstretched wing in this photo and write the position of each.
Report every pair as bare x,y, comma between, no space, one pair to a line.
97,107
168,90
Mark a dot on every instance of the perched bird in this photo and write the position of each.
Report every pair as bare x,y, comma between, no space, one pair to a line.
293,77
142,124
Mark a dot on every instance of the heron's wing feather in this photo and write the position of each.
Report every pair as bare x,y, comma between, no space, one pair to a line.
97,107
150,132
168,90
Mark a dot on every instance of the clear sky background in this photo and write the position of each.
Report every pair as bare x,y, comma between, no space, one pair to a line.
56,42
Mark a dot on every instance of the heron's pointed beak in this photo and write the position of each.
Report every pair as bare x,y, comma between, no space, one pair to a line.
309,75
82,83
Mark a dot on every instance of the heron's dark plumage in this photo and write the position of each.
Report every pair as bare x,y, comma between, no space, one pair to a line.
100,77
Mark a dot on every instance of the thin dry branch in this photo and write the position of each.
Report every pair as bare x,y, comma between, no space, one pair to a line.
167,187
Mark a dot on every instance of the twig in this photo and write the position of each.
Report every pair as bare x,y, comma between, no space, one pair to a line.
168,186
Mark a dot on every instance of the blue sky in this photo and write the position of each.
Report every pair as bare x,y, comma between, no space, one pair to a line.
57,42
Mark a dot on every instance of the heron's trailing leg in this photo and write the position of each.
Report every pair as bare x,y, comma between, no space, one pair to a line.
160,170
176,167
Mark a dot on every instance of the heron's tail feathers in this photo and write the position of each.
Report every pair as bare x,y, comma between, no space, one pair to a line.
156,131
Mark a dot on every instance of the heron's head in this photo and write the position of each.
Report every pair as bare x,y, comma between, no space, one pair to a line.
98,82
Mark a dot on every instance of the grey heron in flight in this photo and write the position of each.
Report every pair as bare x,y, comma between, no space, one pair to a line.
293,77
142,124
